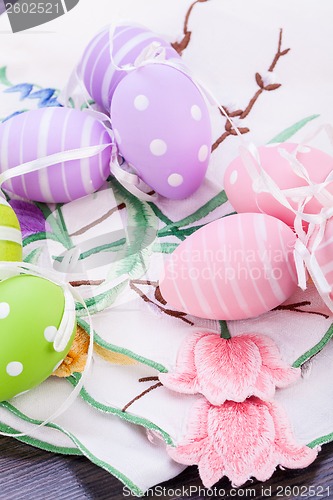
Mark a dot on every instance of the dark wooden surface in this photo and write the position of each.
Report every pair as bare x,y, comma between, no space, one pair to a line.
29,473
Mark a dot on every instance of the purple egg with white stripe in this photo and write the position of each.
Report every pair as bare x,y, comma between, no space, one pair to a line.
162,127
234,268
39,133
96,69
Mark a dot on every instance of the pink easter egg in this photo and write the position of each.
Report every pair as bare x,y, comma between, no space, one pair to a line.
237,267
162,128
99,74
238,183
324,254
46,131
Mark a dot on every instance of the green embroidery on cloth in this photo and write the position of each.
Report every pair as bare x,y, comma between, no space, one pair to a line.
3,77
147,424
119,475
321,440
290,131
121,350
315,349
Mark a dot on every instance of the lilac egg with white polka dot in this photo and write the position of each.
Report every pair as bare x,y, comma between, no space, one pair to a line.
99,74
162,128
47,131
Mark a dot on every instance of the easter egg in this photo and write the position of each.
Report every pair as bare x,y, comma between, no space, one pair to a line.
239,185
323,253
46,131
233,268
10,234
98,72
31,310
162,128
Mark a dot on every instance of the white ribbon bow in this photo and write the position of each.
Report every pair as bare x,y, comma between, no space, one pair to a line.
308,241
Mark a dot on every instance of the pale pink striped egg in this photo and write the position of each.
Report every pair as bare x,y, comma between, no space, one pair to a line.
324,254
99,74
46,131
234,268
238,183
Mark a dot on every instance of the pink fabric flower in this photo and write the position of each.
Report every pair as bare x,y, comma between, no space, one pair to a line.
232,369
240,441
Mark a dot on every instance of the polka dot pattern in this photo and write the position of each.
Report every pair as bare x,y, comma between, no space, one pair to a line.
233,177
158,147
203,153
4,310
196,112
175,180
141,102
162,141
28,333
14,369
50,333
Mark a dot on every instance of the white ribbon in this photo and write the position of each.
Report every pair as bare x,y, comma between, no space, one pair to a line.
308,241
154,53
47,161
65,331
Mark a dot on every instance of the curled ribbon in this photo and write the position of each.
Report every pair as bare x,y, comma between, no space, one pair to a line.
154,53
308,241
65,330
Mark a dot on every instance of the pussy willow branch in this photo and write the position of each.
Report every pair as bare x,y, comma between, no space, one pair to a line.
183,44
104,217
243,113
296,308
147,391
158,296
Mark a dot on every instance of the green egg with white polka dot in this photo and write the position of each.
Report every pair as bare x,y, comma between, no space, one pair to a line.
10,234
31,312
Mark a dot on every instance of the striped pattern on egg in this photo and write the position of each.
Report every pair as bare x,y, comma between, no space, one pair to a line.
99,74
234,268
324,253
238,183
43,132
10,234
162,127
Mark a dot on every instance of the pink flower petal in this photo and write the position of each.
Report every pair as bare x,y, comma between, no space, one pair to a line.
189,454
184,378
198,425
265,386
184,383
234,369
196,441
240,440
291,454
211,468
282,373
242,433
226,369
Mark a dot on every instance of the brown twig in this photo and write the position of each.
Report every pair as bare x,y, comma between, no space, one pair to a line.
86,283
183,44
262,88
159,384
279,53
145,282
148,379
175,314
295,308
84,229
